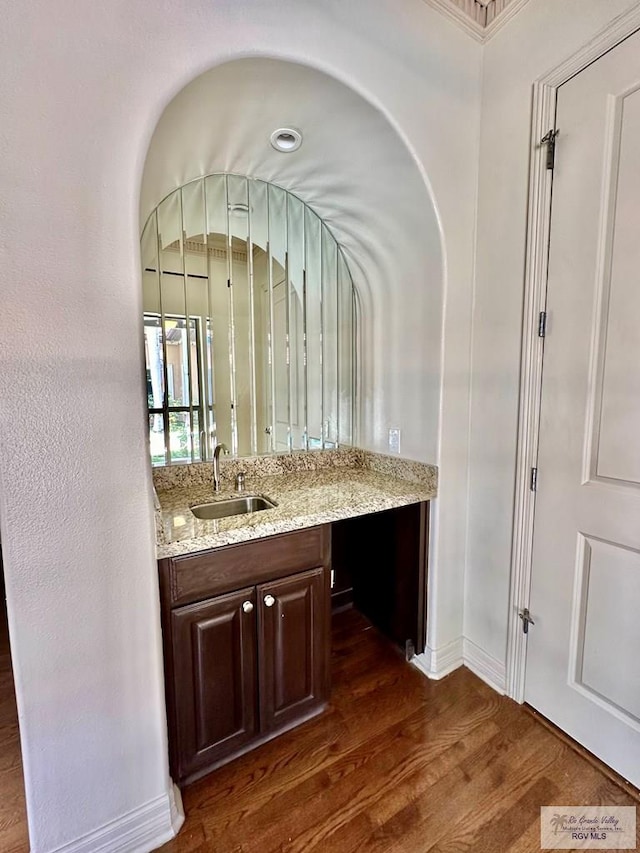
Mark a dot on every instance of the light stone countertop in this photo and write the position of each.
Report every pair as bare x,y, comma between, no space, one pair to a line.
341,484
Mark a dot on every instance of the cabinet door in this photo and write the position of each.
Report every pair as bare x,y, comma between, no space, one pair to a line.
294,647
215,677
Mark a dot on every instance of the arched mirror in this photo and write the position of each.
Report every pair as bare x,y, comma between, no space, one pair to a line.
249,324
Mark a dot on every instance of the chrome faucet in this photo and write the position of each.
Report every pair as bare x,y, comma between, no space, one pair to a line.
219,448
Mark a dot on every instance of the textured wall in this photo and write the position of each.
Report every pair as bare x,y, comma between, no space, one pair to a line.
81,91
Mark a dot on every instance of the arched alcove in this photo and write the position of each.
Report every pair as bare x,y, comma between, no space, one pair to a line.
355,172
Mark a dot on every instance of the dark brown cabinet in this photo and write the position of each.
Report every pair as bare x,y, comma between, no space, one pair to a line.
245,665
214,678
293,621
380,566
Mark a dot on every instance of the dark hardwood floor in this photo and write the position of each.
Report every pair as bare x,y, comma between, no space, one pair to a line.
397,763
13,814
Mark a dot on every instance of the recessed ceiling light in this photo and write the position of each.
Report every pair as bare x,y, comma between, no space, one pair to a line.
286,139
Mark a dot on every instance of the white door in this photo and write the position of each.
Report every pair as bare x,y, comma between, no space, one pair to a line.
583,657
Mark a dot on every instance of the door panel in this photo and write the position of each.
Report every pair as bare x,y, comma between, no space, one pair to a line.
607,623
618,411
293,643
582,668
215,678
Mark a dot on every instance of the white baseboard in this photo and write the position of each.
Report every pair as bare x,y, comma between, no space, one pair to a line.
176,809
485,666
436,663
139,831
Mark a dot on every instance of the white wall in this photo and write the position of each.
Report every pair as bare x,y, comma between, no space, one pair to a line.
542,35
82,89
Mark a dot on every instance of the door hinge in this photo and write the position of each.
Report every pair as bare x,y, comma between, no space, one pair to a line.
228,282
549,139
333,578
533,483
542,324
526,620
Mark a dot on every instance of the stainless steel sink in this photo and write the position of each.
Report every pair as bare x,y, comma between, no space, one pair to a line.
231,506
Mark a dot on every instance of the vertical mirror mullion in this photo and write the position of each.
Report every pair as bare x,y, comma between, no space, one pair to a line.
305,375
209,366
271,346
287,296
355,356
196,273
163,333
280,325
345,353
241,300
322,343
260,314
232,330
204,354
187,323
313,328
217,217
253,392
295,280
329,337
154,373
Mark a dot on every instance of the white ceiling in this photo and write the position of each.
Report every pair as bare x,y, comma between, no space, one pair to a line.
479,18
352,168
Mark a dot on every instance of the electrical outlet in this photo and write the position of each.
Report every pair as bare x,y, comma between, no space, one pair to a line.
394,440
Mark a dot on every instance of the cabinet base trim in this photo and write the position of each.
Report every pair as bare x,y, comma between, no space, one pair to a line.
258,741
139,831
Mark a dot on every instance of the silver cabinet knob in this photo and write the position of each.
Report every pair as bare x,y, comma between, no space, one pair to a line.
247,606
269,600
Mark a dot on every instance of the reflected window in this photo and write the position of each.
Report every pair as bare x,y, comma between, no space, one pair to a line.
174,417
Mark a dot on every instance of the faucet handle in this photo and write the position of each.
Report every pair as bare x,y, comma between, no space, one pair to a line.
240,481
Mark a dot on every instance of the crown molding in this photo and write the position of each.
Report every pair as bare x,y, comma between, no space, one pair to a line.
479,21
454,13
502,17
